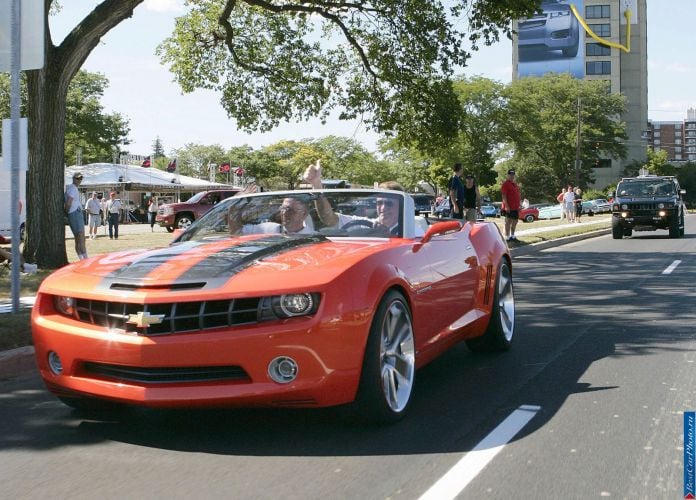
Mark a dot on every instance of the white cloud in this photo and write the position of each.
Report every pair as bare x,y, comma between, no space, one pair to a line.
164,5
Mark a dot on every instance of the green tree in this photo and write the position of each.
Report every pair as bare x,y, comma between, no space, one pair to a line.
388,61
410,166
480,130
87,126
687,181
193,159
541,124
157,148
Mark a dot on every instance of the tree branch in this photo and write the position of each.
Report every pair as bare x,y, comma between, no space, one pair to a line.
76,47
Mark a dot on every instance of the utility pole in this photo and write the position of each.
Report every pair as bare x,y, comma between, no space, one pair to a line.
578,160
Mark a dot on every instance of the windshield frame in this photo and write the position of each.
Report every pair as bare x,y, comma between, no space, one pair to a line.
260,213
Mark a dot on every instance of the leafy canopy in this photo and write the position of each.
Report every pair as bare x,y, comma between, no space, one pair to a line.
387,62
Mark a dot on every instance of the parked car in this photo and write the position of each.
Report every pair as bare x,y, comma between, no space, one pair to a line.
601,206
181,215
443,209
423,202
529,214
550,212
489,211
237,313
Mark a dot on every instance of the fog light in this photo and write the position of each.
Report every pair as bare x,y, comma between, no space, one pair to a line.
624,214
662,213
54,363
283,370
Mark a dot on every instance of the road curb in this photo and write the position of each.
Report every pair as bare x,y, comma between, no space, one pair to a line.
543,245
17,361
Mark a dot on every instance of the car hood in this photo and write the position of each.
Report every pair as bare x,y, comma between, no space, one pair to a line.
248,264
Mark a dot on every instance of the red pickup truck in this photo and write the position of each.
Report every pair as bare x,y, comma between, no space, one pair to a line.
181,215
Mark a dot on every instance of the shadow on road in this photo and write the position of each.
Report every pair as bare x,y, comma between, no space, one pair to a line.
577,309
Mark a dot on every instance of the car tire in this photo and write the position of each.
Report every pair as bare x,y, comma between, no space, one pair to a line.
674,227
617,231
170,229
529,218
389,364
501,326
183,221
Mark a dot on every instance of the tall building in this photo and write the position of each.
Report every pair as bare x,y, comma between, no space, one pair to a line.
678,139
556,41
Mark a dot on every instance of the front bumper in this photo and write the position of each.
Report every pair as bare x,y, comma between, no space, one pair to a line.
218,367
643,222
165,220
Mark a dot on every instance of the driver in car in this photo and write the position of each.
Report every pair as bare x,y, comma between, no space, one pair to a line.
294,219
387,208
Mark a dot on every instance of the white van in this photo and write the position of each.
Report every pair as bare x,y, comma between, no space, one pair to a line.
6,200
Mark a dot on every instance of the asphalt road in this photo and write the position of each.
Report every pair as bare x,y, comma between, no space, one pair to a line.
605,348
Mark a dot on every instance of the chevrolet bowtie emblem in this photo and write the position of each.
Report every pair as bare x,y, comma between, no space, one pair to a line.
144,319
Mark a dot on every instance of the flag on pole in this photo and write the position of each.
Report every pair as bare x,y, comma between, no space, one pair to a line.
224,167
172,166
146,162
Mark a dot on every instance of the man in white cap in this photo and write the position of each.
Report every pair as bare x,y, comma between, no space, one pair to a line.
94,211
73,207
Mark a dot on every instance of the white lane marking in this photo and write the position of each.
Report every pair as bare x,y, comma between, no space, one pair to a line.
671,267
458,477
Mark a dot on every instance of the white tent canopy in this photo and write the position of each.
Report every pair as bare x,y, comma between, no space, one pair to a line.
112,176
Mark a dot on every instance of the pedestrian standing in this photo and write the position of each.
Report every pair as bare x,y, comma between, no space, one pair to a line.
578,204
569,202
76,219
152,212
102,209
510,192
561,203
472,198
93,209
455,188
113,209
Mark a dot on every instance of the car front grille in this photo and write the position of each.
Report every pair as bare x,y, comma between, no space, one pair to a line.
164,375
169,318
642,209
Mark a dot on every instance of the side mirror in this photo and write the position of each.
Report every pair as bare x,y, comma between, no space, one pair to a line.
435,229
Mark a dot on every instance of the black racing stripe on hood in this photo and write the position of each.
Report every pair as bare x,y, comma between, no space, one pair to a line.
234,259
224,263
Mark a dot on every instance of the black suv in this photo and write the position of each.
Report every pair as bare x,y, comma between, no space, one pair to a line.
647,203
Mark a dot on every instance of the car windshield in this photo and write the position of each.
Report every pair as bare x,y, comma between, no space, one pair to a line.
330,213
648,188
196,197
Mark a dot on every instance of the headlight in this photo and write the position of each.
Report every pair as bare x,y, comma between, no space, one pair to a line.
660,205
64,305
167,211
295,304
624,207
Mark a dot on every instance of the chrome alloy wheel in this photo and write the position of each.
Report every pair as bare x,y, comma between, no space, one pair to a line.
506,303
397,356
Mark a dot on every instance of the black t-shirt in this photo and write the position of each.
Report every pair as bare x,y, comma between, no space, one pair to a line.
470,197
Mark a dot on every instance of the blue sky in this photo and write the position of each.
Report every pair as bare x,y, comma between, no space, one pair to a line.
142,89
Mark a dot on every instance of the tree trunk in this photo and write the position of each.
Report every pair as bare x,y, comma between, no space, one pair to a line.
45,234
47,93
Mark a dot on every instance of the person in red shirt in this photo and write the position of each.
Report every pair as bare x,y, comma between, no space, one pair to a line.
511,204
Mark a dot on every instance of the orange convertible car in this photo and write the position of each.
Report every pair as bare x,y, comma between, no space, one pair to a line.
292,299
